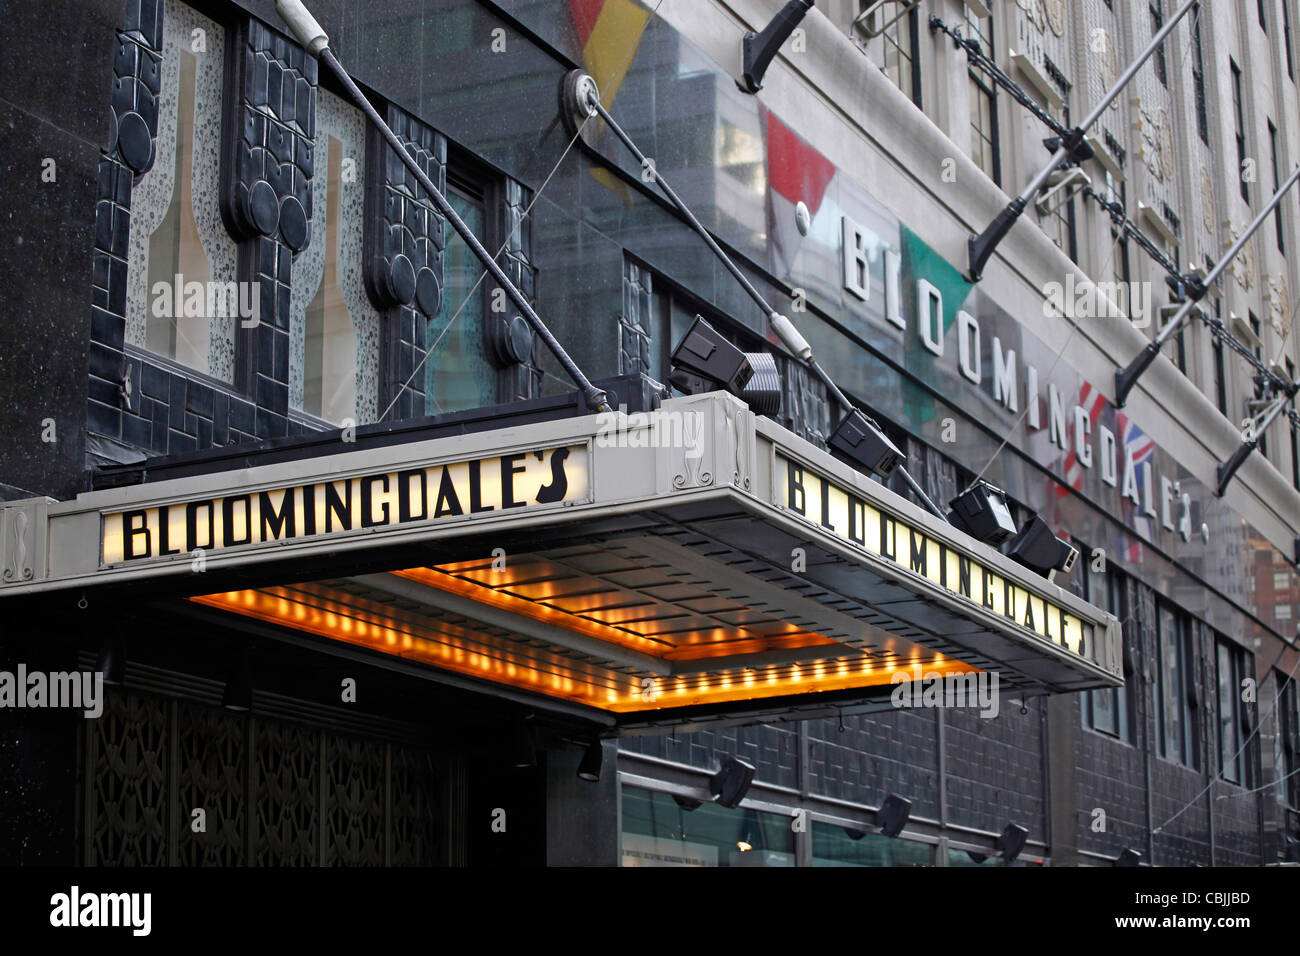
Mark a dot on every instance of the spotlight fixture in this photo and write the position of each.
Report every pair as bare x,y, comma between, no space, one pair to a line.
759,49
238,692
763,391
523,744
592,759
745,845
981,511
730,784
892,815
112,661
704,352
1128,857
975,857
860,442
687,803
1038,549
854,834
1011,842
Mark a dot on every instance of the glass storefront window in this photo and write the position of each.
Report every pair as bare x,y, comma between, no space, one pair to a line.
182,295
457,373
659,830
333,326
837,846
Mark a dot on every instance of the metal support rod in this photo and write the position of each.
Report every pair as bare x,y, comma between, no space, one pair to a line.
781,325
316,42
1127,377
980,247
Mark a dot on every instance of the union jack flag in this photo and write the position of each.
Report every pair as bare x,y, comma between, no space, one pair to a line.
1138,444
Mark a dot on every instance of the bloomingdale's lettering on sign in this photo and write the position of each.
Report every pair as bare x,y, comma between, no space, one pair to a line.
1069,432
465,489
853,519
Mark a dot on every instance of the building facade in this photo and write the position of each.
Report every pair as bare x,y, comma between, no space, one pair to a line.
267,285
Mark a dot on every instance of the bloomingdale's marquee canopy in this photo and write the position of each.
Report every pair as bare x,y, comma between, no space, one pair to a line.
698,563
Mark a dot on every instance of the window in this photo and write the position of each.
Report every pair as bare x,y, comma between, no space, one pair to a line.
1058,222
1286,39
1277,210
1198,78
841,846
1286,749
1282,612
1220,371
983,102
458,374
1281,580
659,830
1157,22
1239,120
1291,430
1232,715
1119,261
333,326
182,296
1176,723
1109,709
1259,389
902,63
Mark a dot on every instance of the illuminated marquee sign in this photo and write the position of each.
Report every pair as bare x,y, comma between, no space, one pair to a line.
851,518
464,489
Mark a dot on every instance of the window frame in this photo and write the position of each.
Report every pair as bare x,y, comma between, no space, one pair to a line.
1239,126
1155,10
988,90
1122,702
1184,750
1232,658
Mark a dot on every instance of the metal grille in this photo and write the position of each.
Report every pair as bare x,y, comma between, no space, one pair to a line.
273,793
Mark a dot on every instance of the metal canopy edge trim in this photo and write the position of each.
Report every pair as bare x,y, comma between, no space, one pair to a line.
717,454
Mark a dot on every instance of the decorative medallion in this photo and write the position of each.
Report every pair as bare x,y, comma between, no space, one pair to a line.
1055,15
1207,201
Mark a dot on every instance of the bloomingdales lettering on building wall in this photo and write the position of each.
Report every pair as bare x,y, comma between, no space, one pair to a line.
1069,430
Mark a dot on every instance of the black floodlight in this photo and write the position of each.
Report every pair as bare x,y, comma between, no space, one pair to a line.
892,815
854,834
112,661
763,392
730,784
592,760
1038,549
1128,857
977,858
523,745
759,49
981,511
704,352
860,442
238,692
687,803
1011,842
